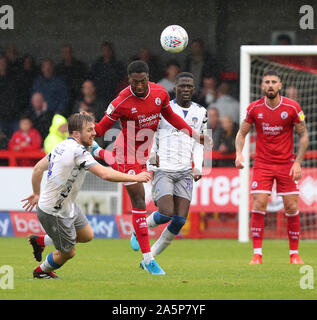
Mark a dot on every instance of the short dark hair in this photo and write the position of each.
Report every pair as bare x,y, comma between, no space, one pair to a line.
184,75
284,37
173,63
271,73
77,120
138,66
26,116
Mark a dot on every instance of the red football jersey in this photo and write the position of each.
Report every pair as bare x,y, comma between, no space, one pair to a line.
139,119
274,129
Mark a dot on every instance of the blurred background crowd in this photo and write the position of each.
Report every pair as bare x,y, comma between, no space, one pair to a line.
36,97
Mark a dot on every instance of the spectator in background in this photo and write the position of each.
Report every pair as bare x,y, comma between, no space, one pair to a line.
226,104
207,94
73,71
217,131
14,63
25,139
200,63
39,114
107,72
53,88
168,82
3,142
227,140
283,40
89,101
9,110
58,133
292,92
215,125
25,78
152,61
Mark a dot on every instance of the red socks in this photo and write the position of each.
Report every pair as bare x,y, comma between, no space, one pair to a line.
141,229
257,230
293,229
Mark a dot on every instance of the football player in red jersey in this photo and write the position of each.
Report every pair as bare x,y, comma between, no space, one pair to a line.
275,118
139,107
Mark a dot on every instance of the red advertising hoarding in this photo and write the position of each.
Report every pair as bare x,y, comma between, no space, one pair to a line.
218,191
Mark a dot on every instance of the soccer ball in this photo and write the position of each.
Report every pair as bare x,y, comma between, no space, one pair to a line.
174,39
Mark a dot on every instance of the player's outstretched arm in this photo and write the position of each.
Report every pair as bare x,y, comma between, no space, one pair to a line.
32,200
116,176
240,140
301,131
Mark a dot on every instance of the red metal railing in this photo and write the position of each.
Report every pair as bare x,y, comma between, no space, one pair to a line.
13,156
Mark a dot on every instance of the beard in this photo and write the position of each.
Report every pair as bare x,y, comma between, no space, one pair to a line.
271,94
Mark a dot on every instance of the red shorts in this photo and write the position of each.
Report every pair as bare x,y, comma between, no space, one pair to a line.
129,169
264,176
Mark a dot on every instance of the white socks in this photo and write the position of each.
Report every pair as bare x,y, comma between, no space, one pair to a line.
162,242
150,221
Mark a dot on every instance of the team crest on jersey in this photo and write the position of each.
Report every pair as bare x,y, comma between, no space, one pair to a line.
260,116
134,110
194,120
158,101
284,115
131,172
254,184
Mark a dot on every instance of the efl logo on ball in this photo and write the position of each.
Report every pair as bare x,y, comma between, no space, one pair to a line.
174,39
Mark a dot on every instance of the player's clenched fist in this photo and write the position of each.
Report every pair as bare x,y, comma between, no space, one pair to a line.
206,140
239,161
143,177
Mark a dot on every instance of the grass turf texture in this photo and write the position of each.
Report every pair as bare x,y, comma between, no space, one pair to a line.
196,269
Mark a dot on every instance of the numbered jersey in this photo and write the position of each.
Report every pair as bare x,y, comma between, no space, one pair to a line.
176,150
68,163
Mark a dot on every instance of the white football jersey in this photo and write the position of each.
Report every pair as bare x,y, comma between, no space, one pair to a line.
176,150
68,163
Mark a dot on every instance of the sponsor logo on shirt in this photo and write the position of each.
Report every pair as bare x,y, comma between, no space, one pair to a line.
134,110
148,121
271,130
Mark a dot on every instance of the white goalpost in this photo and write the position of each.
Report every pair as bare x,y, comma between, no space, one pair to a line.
246,55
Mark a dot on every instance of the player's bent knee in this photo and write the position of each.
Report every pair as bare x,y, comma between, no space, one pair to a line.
259,205
291,210
176,224
166,211
69,254
87,237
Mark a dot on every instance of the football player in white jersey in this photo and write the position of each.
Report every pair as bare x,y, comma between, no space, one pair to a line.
171,160
60,217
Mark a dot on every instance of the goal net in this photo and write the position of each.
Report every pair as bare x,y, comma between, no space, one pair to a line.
299,83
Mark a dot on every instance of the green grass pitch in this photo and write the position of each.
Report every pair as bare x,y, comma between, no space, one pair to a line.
195,269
